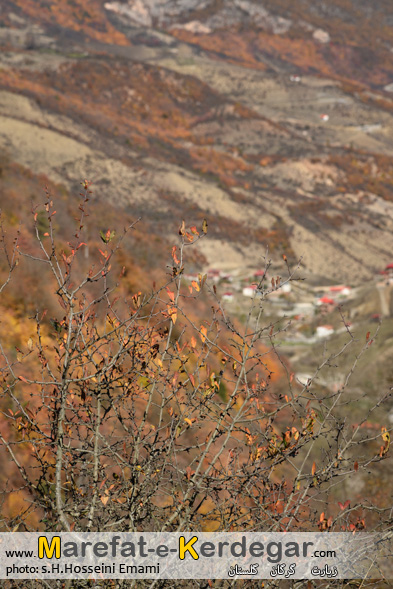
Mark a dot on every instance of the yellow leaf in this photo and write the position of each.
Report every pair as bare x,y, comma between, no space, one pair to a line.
30,343
172,312
313,468
195,285
203,333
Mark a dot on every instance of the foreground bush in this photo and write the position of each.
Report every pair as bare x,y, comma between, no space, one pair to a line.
125,411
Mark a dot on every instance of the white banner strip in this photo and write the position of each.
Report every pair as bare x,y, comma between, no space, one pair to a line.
196,556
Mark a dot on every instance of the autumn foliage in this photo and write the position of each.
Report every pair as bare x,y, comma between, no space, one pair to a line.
123,408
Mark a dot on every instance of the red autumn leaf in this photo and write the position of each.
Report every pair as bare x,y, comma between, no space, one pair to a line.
356,466
367,336
174,256
344,505
171,294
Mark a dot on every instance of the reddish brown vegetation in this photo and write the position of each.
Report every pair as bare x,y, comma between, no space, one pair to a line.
87,17
364,172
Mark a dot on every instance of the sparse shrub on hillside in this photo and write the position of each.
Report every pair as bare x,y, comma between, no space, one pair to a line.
127,412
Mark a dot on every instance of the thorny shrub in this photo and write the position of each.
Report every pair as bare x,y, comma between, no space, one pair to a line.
127,412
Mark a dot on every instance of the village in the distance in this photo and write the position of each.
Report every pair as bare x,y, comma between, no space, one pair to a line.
312,310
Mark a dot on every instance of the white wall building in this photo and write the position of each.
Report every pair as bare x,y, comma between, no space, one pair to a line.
249,291
324,331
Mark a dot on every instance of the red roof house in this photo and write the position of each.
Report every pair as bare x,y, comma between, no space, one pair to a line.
325,301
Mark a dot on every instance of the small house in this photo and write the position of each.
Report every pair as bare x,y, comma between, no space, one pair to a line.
214,274
324,331
249,291
340,290
325,300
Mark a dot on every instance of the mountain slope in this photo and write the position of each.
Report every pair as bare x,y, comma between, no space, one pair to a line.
268,121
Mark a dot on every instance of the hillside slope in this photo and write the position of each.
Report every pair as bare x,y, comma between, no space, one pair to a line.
274,123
